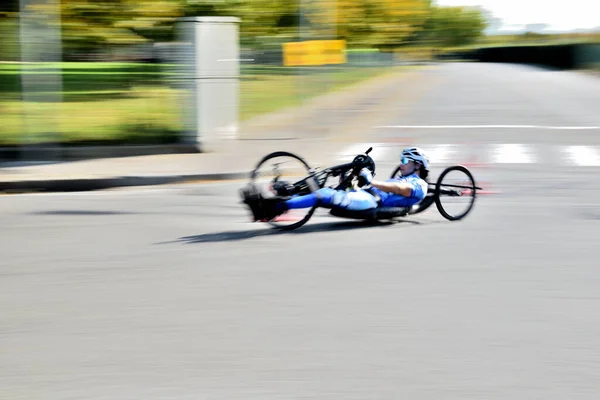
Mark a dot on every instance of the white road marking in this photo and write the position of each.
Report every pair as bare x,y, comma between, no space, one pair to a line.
569,128
440,154
583,156
512,154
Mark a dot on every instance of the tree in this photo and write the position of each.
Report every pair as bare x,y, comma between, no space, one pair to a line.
87,25
377,23
454,26
371,23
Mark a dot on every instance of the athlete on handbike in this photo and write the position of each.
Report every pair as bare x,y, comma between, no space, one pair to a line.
403,190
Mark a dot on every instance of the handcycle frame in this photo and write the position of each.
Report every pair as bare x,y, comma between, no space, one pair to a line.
349,174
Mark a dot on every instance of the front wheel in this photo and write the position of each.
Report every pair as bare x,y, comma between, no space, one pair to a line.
455,193
284,174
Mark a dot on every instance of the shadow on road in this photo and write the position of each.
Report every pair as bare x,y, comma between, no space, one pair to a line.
80,212
233,236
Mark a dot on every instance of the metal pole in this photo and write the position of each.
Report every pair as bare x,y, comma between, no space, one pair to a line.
41,51
211,61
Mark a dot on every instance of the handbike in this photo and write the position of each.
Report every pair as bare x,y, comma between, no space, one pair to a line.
284,174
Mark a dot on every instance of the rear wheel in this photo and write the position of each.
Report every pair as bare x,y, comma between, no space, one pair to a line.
455,193
423,205
284,174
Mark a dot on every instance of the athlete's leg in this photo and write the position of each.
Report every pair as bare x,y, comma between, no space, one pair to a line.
320,197
327,197
357,201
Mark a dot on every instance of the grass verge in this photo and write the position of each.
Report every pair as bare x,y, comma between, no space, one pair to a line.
141,103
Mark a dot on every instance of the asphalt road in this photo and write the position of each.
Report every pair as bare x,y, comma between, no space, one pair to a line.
169,293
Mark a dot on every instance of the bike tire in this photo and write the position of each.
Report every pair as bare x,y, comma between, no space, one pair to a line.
470,192
427,202
278,223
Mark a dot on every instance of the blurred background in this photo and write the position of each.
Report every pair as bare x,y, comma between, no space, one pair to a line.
170,292
104,72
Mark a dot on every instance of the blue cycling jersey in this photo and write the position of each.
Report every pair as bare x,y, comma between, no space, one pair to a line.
417,194
363,199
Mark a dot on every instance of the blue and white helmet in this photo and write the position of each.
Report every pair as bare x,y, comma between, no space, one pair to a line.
417,155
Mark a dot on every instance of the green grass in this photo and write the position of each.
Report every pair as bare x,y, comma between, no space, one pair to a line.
141,103
81,79
268,93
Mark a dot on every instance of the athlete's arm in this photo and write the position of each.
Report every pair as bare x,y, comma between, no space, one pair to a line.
401,188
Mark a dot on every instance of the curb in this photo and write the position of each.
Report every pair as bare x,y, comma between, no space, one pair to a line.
80,153
92,184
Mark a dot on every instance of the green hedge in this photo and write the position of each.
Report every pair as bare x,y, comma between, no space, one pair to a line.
9,38
560,56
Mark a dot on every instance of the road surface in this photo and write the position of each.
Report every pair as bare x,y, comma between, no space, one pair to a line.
170,293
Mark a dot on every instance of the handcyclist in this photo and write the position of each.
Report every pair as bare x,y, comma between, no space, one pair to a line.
405,190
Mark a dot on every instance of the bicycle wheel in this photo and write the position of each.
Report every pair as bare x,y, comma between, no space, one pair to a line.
423,205
284,174
455,193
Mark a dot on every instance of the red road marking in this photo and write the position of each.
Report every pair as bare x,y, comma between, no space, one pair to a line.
286,218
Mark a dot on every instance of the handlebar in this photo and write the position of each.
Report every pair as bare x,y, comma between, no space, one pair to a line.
359,162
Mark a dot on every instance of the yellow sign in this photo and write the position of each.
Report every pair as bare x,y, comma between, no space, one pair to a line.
314,52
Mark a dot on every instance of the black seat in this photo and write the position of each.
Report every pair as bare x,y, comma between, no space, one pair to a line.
372,214
392,212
